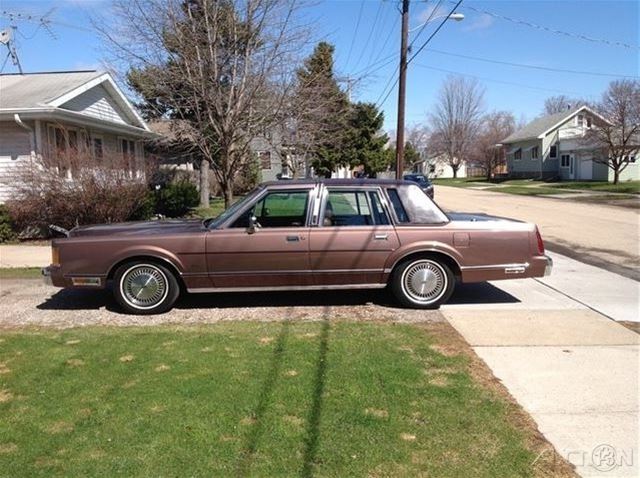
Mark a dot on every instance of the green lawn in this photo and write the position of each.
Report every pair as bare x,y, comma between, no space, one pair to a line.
252,399
216,206
529,190
21,273
629,187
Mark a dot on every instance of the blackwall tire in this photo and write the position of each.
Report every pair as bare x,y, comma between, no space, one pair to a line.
145,288
422,283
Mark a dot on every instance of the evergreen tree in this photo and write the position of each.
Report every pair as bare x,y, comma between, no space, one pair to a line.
364,144
321,108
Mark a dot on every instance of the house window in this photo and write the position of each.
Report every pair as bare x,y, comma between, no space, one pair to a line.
265,159
580,120
565,161
553,151
629,159
128,149
97,148
517,154
588,121
57,141
534,152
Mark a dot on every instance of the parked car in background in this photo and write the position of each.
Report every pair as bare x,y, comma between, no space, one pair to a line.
421,180
302,234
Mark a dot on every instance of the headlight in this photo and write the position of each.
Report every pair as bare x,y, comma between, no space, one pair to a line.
55,256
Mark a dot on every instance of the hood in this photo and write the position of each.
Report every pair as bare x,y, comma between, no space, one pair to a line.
476,217
164,226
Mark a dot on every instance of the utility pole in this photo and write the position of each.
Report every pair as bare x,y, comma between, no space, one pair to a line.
402,90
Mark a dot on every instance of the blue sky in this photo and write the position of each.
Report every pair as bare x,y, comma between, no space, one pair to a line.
519,90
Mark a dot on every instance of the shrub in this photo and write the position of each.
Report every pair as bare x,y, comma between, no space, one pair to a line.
6,225
176,199
104,193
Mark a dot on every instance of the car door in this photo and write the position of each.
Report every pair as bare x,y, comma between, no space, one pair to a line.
353,238
276,254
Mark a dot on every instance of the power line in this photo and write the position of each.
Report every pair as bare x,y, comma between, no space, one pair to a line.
355,33
380,50
426,23
526,23
526,65
373,27
444,20
573,93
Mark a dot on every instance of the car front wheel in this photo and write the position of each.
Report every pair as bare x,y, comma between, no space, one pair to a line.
422,283
145,288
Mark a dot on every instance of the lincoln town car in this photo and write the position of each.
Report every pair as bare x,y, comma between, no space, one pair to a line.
299,235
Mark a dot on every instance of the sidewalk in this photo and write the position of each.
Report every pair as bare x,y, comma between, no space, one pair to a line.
24,256
575,371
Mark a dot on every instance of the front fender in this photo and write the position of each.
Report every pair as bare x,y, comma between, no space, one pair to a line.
147,251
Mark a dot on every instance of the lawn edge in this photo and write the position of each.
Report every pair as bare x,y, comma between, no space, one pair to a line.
548,462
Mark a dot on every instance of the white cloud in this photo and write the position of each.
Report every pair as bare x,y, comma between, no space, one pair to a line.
424,15
481,22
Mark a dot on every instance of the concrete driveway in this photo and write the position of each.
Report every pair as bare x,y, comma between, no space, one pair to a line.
554,342
603,235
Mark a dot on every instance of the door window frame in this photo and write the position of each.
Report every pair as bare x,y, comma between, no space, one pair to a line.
324,195
228,224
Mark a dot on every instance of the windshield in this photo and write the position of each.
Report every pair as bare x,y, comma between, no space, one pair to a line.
214,223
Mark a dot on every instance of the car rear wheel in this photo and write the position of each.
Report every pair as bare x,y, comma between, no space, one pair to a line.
422,283
145,288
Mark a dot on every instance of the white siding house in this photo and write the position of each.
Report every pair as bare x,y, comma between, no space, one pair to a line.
42,113
553,147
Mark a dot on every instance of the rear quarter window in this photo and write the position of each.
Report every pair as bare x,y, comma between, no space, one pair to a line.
416,206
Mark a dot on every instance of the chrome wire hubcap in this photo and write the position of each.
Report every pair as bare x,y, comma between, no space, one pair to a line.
424,281
144,286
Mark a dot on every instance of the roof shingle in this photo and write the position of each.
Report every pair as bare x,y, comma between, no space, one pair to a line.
33,90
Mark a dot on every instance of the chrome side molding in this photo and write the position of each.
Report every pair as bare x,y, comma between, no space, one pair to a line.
285,288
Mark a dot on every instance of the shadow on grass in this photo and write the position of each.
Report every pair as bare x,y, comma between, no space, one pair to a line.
264,401
312,439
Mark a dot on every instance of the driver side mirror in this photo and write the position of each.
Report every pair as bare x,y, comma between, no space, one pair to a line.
254,225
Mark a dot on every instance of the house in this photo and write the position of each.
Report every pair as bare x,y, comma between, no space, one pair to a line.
438,167
52,113
553,147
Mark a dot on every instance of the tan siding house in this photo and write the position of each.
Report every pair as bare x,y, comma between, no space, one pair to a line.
42,114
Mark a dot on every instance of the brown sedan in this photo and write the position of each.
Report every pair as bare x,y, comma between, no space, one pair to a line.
327,234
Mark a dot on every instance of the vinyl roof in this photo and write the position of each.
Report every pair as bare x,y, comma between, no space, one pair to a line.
337,182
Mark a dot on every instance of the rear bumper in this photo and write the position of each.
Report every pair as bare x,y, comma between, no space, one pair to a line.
540,266
549,266
46,275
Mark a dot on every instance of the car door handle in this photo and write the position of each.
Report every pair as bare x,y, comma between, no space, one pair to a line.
293,238
380,237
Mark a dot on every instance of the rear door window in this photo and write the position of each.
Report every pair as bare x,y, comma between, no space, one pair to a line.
354,208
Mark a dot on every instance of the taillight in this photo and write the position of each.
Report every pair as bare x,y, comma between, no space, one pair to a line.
540,242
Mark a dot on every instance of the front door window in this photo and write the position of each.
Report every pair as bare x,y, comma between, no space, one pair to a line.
278,209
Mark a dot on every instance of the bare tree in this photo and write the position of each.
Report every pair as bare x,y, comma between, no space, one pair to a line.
221,67
561,103
487,151
618,136
456,120
418,137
